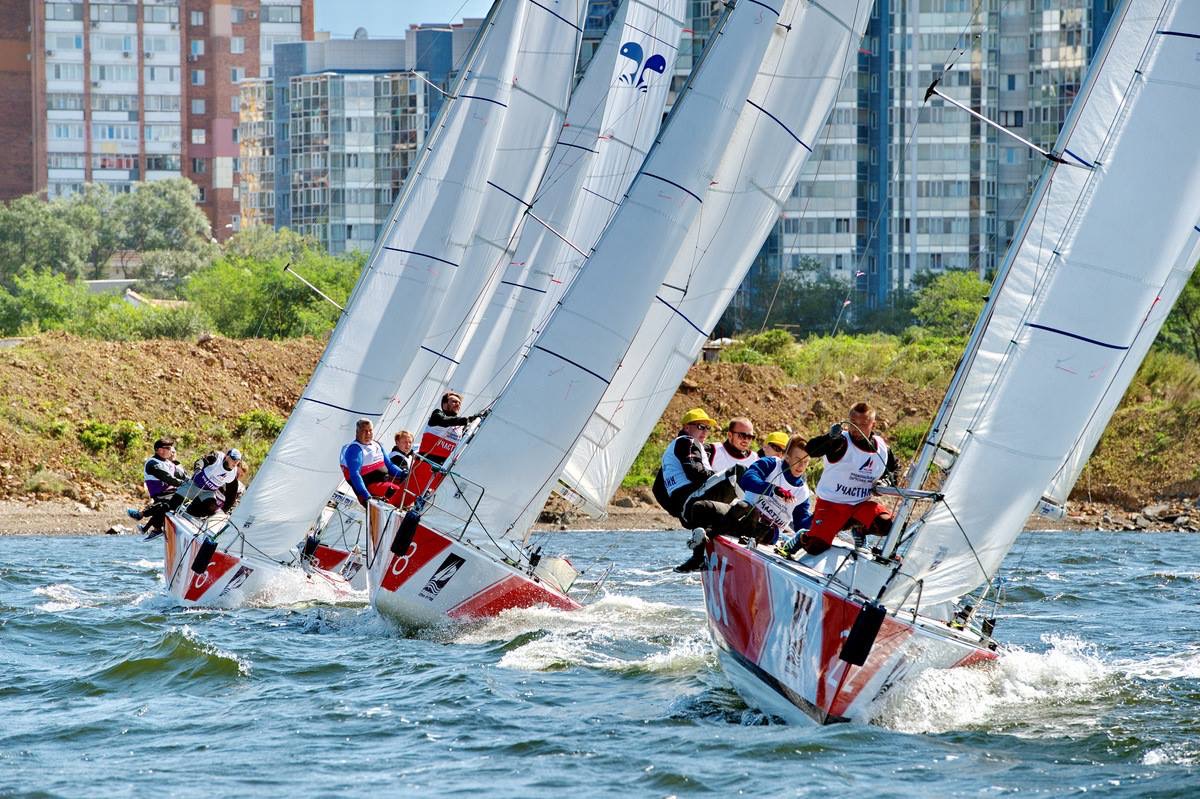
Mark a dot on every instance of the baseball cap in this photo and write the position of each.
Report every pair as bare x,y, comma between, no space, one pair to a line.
698,415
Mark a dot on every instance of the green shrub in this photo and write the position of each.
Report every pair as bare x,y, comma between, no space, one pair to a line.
128,435
905,439
96,436
641,472
59,428
46,481
258,423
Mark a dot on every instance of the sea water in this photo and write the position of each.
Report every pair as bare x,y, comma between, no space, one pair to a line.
107,688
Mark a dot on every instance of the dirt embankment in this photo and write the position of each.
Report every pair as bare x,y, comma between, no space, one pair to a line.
54,387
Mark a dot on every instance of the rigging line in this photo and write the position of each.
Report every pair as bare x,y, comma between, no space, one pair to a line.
970,544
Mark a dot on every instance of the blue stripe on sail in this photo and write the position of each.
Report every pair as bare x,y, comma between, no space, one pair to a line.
1075,336
422,254
672,183
440,355
764,5
340,408
1088,164
682,316
1179,33
522,286
508,193
1197,227
601,196
562,143
780,123
485,99
556,14
576,365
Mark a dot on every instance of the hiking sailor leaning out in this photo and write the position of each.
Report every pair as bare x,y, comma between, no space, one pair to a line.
446,428
738,446
686,463
364,466
161,473
855,460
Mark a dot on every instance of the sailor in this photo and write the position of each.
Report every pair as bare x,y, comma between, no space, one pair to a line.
445,428
161,474
855,460
686,462
775,498
369,473
401,454
737,448
214,484
774,445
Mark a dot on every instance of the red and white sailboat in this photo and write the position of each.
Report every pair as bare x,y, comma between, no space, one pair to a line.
1071,314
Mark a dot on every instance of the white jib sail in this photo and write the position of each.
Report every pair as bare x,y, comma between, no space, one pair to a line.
614,116
520,449
757,173
397,294
1087,267
543,77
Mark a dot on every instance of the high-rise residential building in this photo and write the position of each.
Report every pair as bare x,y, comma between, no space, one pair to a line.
328,141
127,90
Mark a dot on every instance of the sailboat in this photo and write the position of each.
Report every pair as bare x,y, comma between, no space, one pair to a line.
612,119
1106,243
465,552
507,104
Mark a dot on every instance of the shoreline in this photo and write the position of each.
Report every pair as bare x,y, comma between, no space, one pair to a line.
629,511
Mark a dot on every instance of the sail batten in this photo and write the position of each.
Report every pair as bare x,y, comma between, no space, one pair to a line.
1074,312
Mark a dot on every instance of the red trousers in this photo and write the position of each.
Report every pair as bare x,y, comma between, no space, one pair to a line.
830,518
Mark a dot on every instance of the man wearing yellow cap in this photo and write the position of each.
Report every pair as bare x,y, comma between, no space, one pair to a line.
686,462
774,445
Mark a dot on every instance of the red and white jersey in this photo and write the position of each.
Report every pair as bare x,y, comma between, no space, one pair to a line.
849,479
439,441
372,458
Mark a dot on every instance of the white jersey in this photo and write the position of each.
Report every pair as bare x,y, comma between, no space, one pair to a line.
722,460
777,510
850,479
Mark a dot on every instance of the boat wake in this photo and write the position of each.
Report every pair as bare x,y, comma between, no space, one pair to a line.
293,587
64,597
615,633
1015,690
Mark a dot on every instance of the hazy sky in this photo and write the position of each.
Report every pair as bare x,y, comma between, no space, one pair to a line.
389,18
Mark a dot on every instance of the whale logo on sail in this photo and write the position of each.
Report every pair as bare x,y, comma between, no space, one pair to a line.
637,74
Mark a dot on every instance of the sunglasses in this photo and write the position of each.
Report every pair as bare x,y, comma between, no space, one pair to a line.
740,434
704,427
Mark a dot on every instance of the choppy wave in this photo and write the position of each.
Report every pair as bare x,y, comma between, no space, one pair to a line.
179,654
1014,686
64,597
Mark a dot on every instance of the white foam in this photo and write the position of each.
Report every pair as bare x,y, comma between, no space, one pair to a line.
1170,754
293,587
212,650
1175,666
64,597
935,700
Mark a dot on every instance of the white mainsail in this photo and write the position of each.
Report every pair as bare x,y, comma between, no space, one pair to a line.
405,280
614,117
1091,260
757,173
542,82
521,448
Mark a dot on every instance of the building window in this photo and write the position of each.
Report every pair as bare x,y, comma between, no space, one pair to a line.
281,13
201,196
198,136
197,47
197,18
198,106
235,104
237,15
199,165
162,163
237,73
160,13
237,44
197,77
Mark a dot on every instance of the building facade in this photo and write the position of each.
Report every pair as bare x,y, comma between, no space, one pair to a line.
118,92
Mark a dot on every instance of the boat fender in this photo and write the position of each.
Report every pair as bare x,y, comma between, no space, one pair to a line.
862,635
204,555
535,558
310,547
405,533
988,627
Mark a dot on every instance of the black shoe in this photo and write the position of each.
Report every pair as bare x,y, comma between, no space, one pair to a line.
694,563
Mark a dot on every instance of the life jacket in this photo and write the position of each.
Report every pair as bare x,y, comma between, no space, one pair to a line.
775,509
849,479
213,476
722,459
155,486
373,468
671,484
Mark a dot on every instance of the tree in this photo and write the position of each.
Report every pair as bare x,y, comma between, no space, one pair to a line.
36,236
1181,330
163,215
951,302
93,213
261,243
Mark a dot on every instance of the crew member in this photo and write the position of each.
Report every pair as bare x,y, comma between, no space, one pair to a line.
213,486
855,460
737,448
161,474
369,473
774,445
401,454
445,428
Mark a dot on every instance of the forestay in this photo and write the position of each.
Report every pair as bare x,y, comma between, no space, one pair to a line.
400,289
1090,262
542,81
522,446
786,109
612,121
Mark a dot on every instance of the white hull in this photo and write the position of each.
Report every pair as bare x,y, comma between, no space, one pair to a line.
231,577
778,628
439,579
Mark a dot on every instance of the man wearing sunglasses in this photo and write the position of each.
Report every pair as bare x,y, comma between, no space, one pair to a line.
738,446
